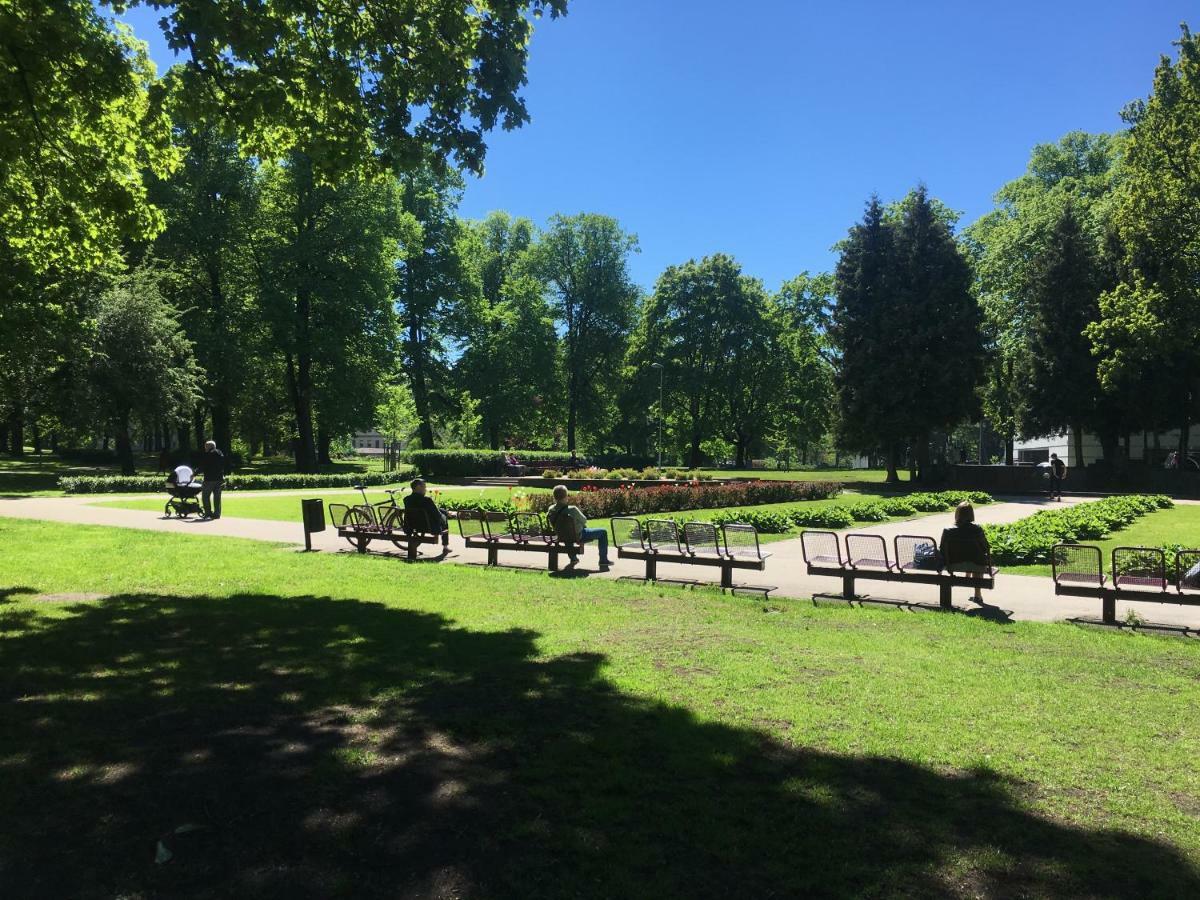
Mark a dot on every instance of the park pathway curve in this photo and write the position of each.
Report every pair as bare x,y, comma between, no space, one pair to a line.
1016,597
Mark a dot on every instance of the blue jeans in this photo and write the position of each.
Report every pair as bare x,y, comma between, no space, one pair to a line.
600,536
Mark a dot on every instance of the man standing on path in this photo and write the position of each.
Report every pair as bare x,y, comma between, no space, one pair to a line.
212,465
1058,471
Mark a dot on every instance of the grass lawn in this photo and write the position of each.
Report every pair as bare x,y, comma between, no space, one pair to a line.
287,508
292,725
1178,525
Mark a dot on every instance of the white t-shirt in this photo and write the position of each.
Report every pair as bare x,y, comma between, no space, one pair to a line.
183,475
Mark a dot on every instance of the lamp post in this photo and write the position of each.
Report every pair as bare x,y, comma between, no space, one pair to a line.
659,366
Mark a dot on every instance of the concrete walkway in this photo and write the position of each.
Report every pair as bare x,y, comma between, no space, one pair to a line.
1015,596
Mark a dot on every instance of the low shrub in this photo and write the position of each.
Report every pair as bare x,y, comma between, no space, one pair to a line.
898,507
829,517
867,512
122,484
766,522
1032,540
472,463
601,503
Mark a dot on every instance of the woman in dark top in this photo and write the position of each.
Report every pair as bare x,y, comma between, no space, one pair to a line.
965,547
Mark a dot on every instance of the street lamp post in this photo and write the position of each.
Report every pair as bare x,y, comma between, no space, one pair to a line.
659,366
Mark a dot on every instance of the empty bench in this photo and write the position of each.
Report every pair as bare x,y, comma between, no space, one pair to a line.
916,560
522,532
360,525
659,540
1138,573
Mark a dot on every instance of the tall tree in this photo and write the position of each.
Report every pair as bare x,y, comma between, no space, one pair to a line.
142,368
325,259
430,277
584,261
209,206
509,361
1062,388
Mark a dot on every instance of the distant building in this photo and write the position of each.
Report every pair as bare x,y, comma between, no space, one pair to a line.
1147,446
369,443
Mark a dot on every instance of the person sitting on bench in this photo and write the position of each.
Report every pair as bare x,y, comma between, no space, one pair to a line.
570,527
965,547
423,513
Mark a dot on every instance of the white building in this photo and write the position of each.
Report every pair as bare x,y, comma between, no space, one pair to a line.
369,443
1153,448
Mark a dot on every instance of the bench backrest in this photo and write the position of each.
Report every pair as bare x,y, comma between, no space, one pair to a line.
869,550
471,523
1076,564
1139,567
528,526
663,535
821,548
701,539
627,532
741,541
916,553
1187,570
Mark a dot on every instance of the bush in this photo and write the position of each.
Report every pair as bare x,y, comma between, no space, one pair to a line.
867,512
1032,540
898,507
829,517
601,503
765,522
121,484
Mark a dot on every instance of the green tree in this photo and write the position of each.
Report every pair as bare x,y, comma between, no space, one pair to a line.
383,83
325,259
510,359
584,261
78,130
396,419
431,275
805,306
142,368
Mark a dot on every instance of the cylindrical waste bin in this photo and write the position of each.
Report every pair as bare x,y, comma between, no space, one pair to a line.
313,514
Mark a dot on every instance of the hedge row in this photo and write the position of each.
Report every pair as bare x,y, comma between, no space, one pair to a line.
1032,540
122,484
472,463
601,503
844,515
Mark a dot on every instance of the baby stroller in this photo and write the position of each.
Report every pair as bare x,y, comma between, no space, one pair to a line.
183,500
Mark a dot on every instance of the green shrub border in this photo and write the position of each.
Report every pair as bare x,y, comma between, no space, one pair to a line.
132,484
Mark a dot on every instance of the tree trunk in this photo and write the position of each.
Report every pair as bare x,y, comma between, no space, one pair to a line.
1077,432
198,425
3,437
420,384
300,393
572,409
494,436
1110,446
125,448
324,440
37,437
16,434
922,456
54,441
694,457
222,433
893,477
184,435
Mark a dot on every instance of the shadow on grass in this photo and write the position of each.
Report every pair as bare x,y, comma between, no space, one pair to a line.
328,748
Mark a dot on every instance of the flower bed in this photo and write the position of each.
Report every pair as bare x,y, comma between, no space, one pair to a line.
130,484
598,503
649,473
1032,540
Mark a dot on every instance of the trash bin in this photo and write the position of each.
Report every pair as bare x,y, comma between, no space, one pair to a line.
313,514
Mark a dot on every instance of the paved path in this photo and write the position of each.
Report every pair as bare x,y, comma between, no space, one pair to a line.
1015,596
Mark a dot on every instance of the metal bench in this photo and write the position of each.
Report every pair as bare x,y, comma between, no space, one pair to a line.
866,557
660,540
360,525
521,532
1138,573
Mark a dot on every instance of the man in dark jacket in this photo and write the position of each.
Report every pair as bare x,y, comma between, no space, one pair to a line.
212,467
421,514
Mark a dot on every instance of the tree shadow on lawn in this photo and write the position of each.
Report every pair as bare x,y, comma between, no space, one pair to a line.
331,748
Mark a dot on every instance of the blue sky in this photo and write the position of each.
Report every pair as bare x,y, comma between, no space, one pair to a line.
759,129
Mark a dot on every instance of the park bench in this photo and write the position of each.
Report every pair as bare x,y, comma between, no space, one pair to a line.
360,525
916,560
659,540
522,532
1138,573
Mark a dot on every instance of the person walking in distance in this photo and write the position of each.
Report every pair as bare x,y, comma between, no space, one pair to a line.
212,467
1058,471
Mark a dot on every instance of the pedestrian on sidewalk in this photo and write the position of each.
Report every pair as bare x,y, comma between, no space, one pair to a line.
965,547
212,467
1058,471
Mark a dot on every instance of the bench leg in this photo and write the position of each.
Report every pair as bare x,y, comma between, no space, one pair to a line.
944,595
362,544
552,557
848,586
412,550
651,569
493,558
726,577
1108,606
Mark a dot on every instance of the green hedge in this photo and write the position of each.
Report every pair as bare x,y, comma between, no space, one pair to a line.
129,484
601,503
1029,541
472,463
